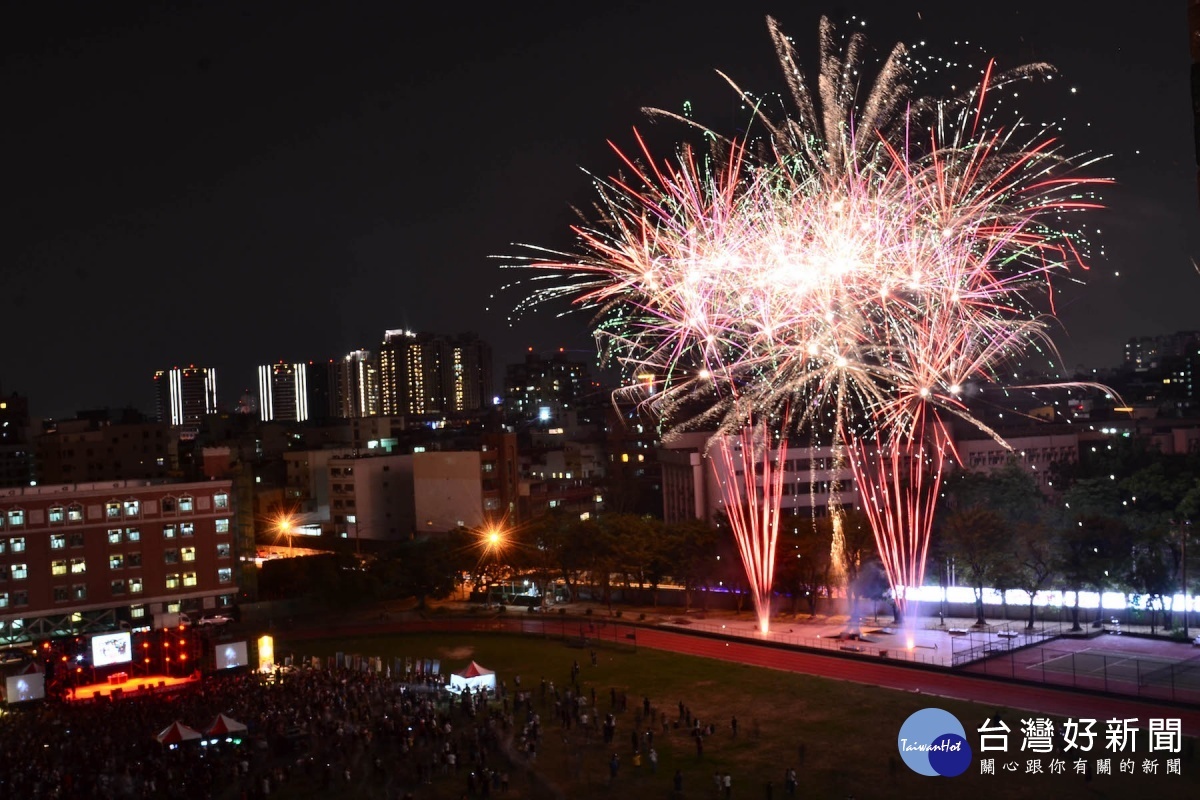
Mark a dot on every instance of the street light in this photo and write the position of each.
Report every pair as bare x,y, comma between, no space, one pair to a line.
493,540
285,525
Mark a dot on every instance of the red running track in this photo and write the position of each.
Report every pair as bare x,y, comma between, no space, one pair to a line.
1038,699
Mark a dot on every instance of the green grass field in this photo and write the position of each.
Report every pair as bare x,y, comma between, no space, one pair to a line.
840,737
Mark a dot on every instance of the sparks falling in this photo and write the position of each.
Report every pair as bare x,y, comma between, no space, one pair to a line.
843,275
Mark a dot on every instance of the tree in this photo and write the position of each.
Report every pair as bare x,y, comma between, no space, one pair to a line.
975,537
630,539
859,549
1085,554
695,542
1034,561
1150,573
803,564
427,567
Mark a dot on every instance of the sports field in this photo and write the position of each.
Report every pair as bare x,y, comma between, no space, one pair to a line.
840,736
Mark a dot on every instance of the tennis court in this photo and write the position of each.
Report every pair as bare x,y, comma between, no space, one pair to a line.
1148,668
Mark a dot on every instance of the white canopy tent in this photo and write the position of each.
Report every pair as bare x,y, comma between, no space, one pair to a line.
472,679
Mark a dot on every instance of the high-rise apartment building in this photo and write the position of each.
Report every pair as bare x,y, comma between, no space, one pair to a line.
322,390
358,385
545,388
16,442
469,385
1144,353
426,373
283,392
185,395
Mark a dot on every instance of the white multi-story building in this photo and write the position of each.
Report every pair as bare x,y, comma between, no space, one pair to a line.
693,476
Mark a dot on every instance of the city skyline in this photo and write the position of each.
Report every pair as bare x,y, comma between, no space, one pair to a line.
231,186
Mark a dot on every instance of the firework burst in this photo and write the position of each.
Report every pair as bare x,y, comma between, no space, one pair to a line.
844,274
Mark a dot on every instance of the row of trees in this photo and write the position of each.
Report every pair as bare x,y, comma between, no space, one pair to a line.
1118,523
1118,520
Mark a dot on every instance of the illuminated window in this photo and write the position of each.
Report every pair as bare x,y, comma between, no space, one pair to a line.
168,531
114,535
16,518
188,553
135,587
58,541
20,572
78,566
79,591
222,526
225,575
58,567
3,546
112,510
220,501
133,535
116,561
189,579
3,599
186,505
624,458
137,612
17,544
187,529
75,513
173,580
133,508
223,550
57,514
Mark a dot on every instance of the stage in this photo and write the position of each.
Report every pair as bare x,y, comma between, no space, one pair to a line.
122,685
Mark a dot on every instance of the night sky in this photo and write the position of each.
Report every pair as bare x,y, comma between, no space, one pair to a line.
228,184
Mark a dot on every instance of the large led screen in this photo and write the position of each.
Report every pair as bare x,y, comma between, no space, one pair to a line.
111,648
232,654
21,688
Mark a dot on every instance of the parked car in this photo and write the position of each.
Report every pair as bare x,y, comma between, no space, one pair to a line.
215,619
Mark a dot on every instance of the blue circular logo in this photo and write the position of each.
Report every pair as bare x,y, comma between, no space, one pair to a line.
933,742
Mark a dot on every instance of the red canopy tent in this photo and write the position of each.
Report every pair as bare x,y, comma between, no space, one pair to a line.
473,678
177,732
223,725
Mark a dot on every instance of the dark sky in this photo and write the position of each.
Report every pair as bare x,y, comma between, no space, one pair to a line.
233,183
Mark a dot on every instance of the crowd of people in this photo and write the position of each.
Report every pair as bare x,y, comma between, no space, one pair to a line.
349,729
337,729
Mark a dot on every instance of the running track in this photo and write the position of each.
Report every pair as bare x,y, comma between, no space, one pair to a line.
937,683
